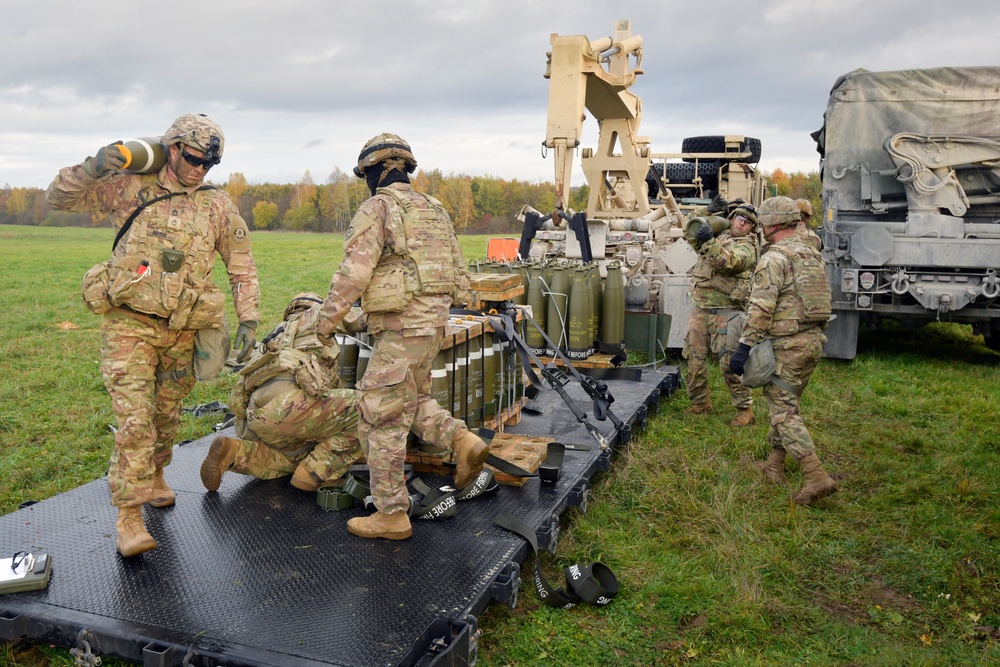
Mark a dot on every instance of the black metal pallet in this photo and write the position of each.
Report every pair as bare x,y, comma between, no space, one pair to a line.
258,574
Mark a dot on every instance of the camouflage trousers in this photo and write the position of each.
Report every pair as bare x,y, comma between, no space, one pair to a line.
395,398
147,370
795,357
289,429
706,337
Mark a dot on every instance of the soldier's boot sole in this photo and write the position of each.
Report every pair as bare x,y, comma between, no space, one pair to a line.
470,454
163,495
133,538
221,455
394,526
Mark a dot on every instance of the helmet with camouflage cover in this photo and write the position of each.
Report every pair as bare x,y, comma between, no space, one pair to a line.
805,207
778,211
748,211
389,148
301,302
197,131
733,204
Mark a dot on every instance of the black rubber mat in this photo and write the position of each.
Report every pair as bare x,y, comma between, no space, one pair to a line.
258,574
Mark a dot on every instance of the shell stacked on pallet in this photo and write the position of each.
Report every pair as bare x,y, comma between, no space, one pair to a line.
571,303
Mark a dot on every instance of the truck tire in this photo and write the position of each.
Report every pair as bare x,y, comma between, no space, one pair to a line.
717,144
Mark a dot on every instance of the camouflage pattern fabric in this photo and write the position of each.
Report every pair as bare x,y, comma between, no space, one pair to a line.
369,241
775,311
810,237
720,281
320,434
147,367
395,398
147,370
796,357
707,332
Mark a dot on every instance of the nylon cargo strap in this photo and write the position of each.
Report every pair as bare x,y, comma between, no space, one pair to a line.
594,584
135,214
504,328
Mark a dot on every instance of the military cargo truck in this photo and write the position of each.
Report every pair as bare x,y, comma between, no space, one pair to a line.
911,192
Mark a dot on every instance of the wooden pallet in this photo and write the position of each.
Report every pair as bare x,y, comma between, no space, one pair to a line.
494,287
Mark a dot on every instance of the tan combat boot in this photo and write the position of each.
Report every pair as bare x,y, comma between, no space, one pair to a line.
470,453
303,480
743,418
133,539
395,526
163,495
818,483
221,455
774,467
699,408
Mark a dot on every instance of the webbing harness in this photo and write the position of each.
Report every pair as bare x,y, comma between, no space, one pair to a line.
135,214
594,584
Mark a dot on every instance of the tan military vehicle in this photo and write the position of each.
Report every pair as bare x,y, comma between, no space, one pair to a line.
639,200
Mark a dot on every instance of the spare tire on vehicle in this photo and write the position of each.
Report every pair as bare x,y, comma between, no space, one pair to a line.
717,144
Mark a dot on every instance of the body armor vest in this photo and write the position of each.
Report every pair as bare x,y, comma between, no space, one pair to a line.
812,290
420,263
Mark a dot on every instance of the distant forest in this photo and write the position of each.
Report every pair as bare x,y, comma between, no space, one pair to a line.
477,204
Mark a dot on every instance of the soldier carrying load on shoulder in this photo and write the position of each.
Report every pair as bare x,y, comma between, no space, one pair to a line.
720,282
155,295
789,306
402,258
293,415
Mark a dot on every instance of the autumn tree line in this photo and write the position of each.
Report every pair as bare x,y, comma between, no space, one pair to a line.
477,204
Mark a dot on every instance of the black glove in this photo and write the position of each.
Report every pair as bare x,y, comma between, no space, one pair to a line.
704,234
244,340
109,159
718,205
739,359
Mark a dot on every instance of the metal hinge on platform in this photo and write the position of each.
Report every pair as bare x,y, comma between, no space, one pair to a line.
506,585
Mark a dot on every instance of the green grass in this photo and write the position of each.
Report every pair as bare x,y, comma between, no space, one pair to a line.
716,567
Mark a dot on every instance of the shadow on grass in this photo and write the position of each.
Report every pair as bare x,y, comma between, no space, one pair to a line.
943,341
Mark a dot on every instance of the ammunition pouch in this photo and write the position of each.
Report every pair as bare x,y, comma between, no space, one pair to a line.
198,310
95,288
211,349
152,292
386,292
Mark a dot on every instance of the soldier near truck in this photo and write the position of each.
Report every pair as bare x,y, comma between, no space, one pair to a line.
789,306
154,295
401,257
293,415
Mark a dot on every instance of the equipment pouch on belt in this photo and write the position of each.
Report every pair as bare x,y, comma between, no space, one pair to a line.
95,289
171,260
198,310
734,329
211,349
142,288
761,365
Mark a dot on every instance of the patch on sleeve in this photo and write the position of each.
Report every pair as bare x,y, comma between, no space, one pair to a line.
239,233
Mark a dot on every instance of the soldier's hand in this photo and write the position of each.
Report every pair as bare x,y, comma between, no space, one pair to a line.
704,234
738,361
718,205
244,341
108,160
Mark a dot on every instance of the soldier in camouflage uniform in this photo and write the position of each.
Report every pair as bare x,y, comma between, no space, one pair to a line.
154,294
293,415
805,227
720,282
402,258
789,304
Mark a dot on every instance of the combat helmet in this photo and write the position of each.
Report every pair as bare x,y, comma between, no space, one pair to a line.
386,147
197,131
805,208
778,211
748,211
301,302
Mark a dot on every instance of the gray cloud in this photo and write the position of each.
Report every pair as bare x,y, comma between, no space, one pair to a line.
301,85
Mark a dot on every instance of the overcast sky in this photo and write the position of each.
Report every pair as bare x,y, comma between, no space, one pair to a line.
299,85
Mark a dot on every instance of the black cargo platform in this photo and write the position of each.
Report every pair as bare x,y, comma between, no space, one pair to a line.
258,574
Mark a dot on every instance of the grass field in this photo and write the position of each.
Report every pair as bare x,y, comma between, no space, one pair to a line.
901,567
